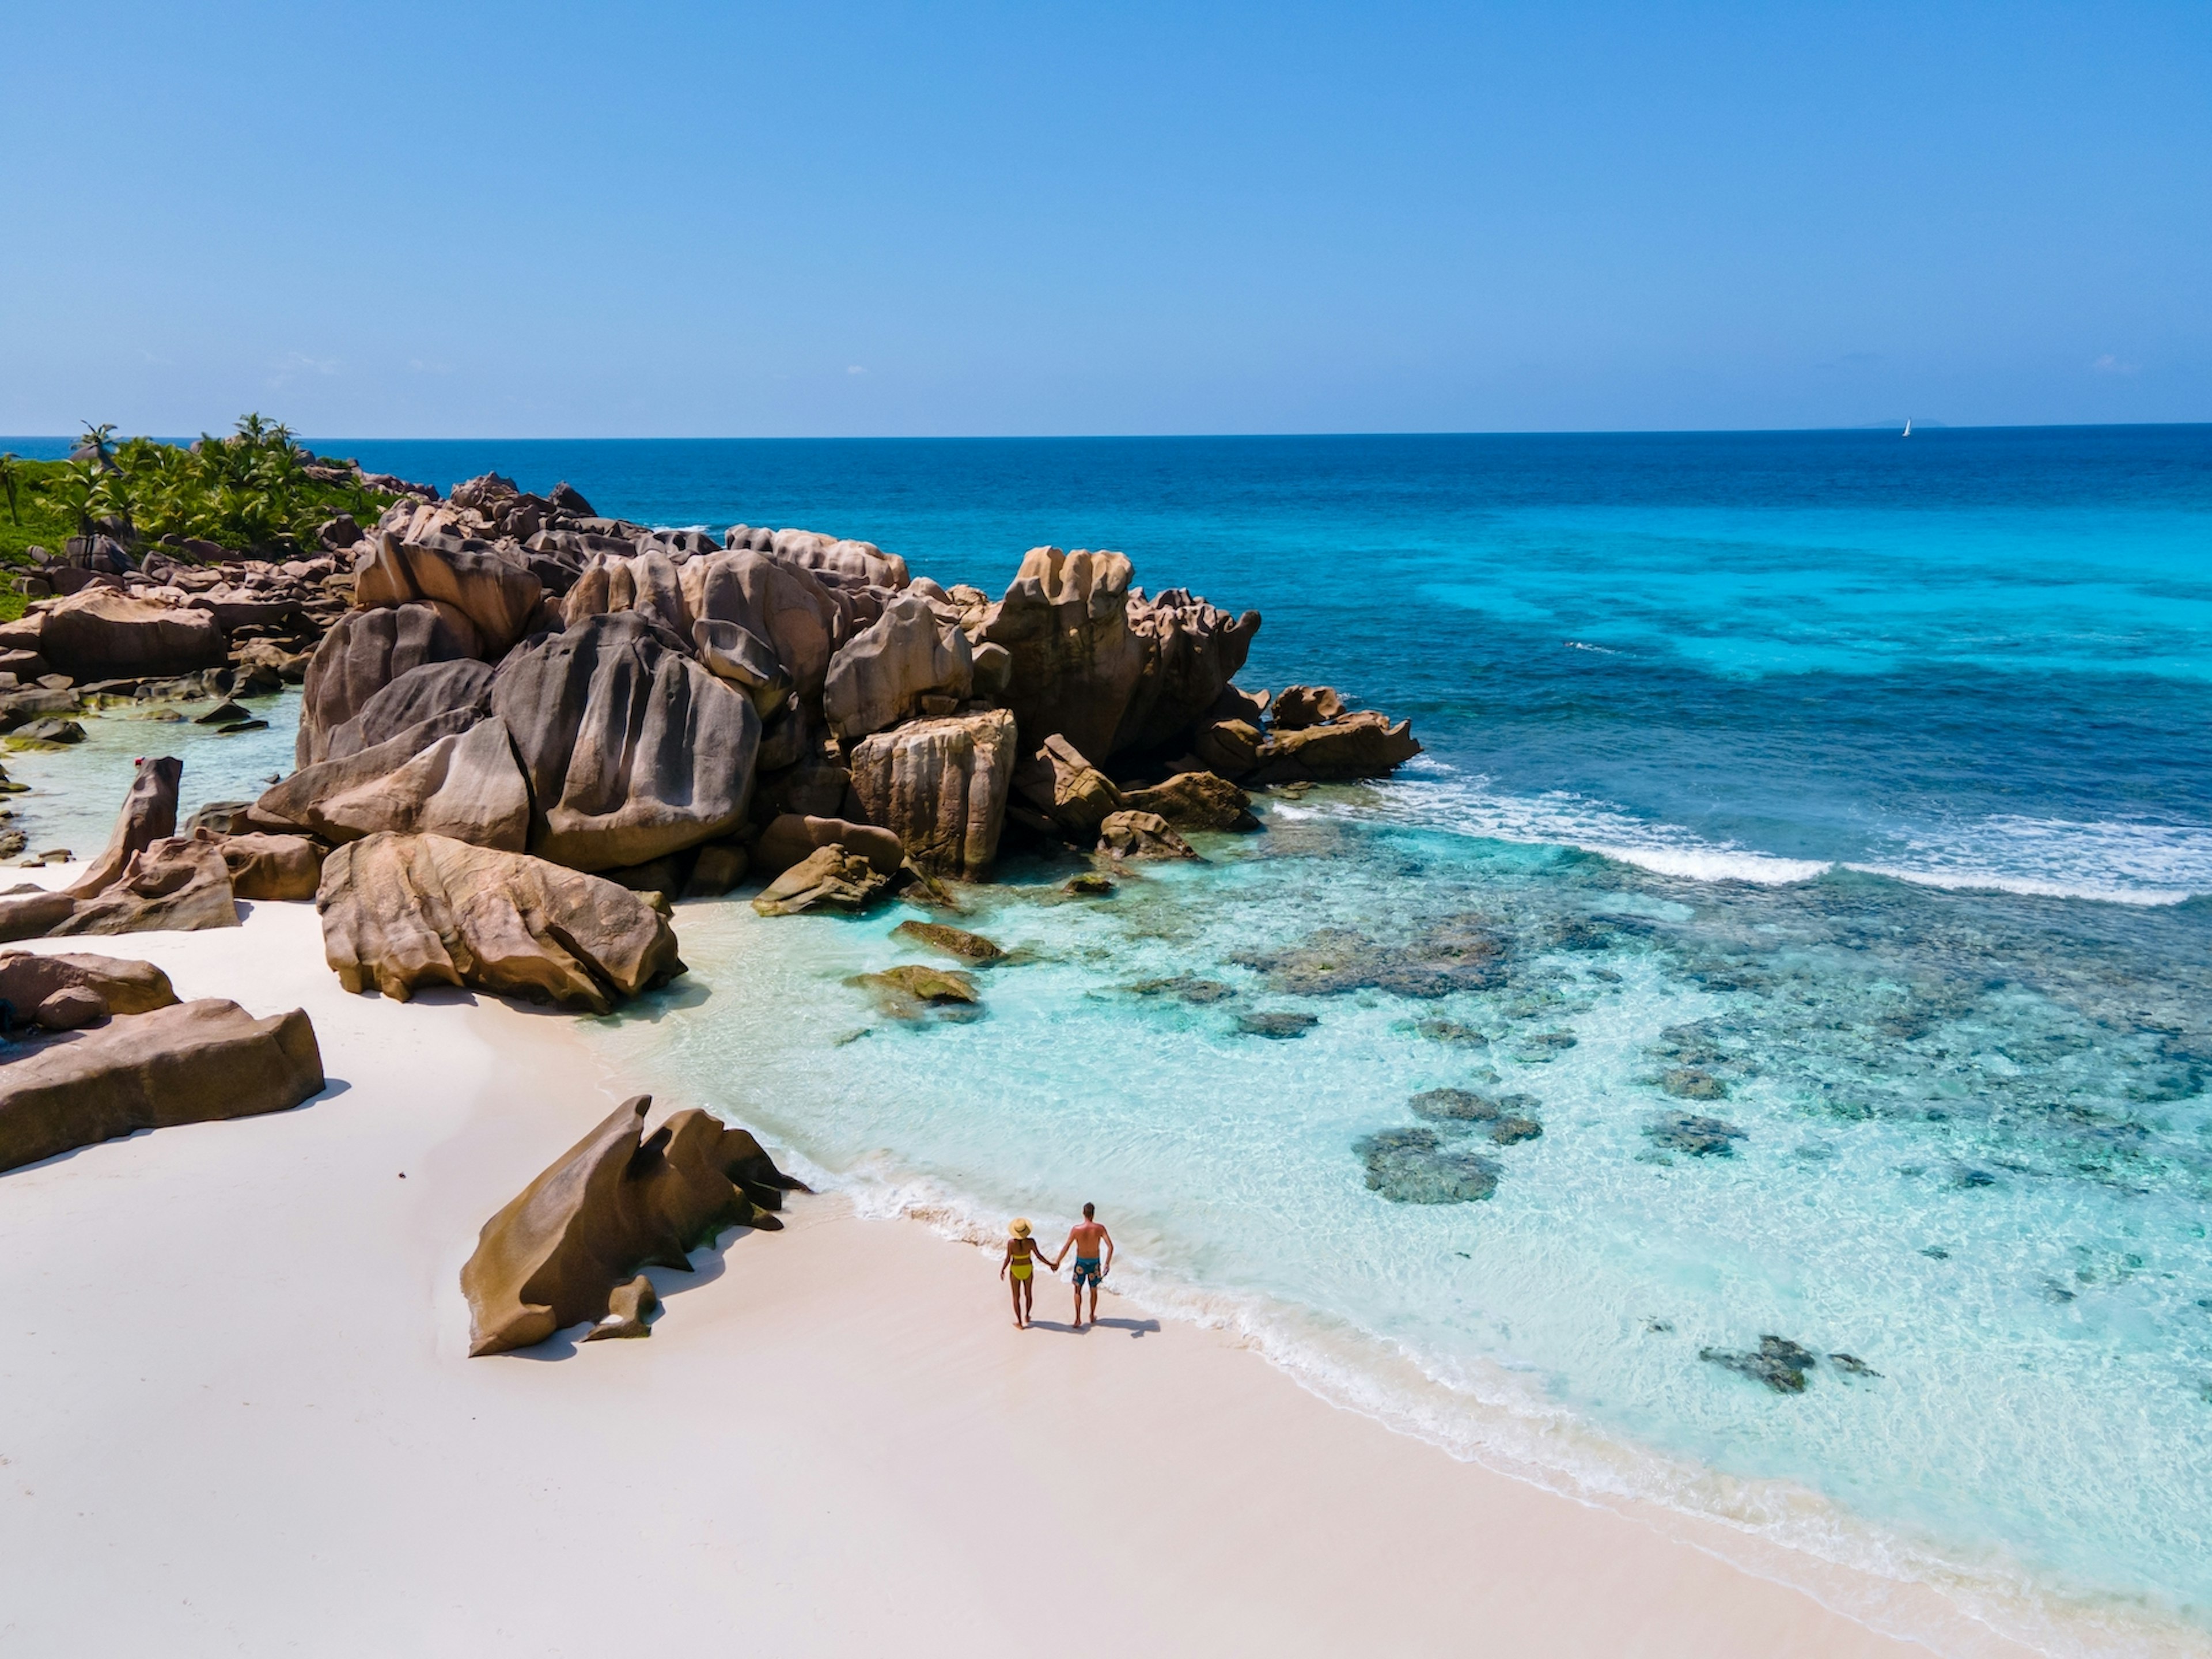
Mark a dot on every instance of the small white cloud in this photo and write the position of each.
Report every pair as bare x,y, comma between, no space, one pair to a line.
2108,364
421,367
855,368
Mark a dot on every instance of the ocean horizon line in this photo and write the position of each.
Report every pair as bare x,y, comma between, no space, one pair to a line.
1858,429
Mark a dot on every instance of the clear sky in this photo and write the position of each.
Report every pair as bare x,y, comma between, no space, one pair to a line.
456,220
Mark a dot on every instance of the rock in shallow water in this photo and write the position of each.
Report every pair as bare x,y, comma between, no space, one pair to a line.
1416,1166
1276,1025
913,990
953,941
1700,1137
1778,1362
831,879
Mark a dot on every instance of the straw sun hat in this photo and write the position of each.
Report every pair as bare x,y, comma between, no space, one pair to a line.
1020,1229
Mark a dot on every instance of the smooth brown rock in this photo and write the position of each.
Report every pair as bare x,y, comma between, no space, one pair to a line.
904,992
1197,800
279,867
148,815
953,941
614,1202
32,916
497,595
1301,706
454,774
831,878
1068,789
177,885
719,866
791,838
802,620
400,912
427,692
1141,835
632,751
71,1009
1065,623
468,786
941,787
881,675
28,978
1362,745
364,652
1231,747
857,564
100,633
730,651
629,1307
188,1063
1191,649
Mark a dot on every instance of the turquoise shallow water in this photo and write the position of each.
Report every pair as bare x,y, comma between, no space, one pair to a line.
1862,784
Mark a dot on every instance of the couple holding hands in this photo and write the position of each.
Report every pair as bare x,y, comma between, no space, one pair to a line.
1022,1253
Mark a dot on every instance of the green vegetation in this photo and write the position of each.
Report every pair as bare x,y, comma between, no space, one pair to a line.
250,492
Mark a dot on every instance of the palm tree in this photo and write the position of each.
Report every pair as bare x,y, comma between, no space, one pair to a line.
77,490
97,439
10,474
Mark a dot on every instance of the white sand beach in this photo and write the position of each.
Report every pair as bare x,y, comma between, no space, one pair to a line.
239,1420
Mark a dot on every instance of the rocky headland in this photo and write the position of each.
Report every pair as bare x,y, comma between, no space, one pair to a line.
527,729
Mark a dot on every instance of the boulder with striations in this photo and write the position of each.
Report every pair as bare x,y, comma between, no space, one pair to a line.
1075,662
189,1062
364,652
801,620
1191,652
455,775
422,693
400,912
941,787
881,675
496,595
616,1201
632,751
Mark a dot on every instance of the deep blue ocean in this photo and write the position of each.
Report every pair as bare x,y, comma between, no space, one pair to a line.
1852,791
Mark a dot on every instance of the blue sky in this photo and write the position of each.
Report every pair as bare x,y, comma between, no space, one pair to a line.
586,221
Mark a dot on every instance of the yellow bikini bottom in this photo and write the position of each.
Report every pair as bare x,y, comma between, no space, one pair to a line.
1019,1269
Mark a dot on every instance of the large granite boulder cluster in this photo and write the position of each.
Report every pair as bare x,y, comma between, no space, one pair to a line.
671,709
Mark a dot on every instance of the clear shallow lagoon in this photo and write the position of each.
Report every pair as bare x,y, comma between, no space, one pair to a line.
1866,777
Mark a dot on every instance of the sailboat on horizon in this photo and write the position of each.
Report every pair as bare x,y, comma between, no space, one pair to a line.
1908,427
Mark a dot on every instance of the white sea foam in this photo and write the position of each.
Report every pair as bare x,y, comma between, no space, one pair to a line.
2110,862
2120,862
1485,1414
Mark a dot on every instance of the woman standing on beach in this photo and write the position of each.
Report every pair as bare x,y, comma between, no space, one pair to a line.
1018,1265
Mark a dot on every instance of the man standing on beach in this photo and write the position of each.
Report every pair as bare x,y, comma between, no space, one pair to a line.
1085,1239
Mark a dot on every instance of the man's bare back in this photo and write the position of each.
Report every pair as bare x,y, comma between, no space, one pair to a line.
1094,1257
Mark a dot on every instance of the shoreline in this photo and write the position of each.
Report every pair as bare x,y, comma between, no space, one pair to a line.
225,1448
